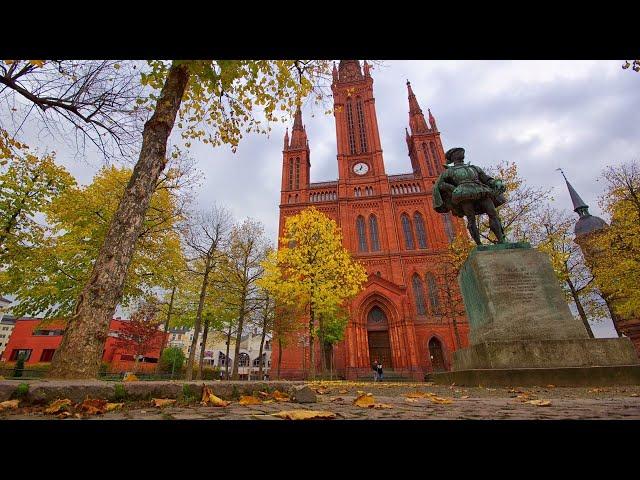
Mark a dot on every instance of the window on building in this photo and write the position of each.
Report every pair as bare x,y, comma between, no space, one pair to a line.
420,233
350,129
361,126
434,155
362,235
47,354
17,352
291,174
373,231
48,333
434,300
267,345
418,293
408,232
448,227
243,360
425,150
297,173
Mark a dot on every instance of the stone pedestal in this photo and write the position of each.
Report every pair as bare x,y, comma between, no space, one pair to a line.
519,317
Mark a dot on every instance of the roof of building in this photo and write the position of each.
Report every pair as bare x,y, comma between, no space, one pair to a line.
587,224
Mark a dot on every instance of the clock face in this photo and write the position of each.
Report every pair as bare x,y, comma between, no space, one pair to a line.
360,168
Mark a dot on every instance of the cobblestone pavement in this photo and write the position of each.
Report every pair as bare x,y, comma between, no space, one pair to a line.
467,403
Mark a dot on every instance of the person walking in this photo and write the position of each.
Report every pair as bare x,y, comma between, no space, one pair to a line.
375,370
379,370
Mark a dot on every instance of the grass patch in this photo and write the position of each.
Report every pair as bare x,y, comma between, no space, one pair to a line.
188,395
22,391
235,393
119,392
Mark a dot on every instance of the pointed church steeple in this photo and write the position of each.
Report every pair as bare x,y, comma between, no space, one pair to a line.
587,223
286,139
416,119
298,133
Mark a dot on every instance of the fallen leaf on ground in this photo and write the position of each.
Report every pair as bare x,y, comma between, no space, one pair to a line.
64,414
635,395
419,395
597,390
322,390
381,405
279,396
551,386
441,400
57,406
464,397
342,391
540,403
162,402
93,406
304,414
130,377
9,404
263,394
249,400
411,400
365,400
114,406
336,399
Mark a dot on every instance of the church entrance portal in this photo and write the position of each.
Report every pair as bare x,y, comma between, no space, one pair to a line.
378,335
437,356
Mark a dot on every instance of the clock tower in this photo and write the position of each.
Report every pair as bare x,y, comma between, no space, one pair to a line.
358,139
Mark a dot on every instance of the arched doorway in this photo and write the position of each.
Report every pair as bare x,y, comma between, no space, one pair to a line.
378,336
436,355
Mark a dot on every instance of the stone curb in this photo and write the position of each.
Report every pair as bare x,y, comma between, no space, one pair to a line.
45,391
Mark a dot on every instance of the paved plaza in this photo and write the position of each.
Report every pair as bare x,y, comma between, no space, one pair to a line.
391,401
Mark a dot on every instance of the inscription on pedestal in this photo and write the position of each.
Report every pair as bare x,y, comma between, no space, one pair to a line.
513,294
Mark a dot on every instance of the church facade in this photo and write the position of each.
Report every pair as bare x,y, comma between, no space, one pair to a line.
401,317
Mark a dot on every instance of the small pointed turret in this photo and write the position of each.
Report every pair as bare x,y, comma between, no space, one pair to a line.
366,68
286,139
432,121
587,223
416,119
335,72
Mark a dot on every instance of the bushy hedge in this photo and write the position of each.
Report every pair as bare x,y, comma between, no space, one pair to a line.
169,355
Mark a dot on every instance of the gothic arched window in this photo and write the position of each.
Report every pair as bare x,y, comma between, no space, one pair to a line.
434,154
434,300
363,134
376,315
420,233
448,227
408,232
362,234
418,293
291,174
373,231
297,173
350,128
426,157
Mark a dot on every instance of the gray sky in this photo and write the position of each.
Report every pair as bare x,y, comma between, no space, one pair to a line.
578,115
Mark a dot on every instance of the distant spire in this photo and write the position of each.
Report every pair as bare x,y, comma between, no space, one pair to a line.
579,206
297,121
366,68
335,72
416,119
286,139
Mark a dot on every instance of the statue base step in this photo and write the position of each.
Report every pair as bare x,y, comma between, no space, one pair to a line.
541,377
546,353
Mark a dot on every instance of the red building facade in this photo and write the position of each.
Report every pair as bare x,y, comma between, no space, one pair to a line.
38,340
388,225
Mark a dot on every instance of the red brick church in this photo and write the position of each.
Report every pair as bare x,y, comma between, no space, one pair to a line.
389,225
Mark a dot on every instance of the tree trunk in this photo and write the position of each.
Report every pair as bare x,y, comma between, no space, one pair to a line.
279,356
81,350
312,356
226,365
323,359
578,303
243,299
198,322
166,325
264,334
205,333
614,317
